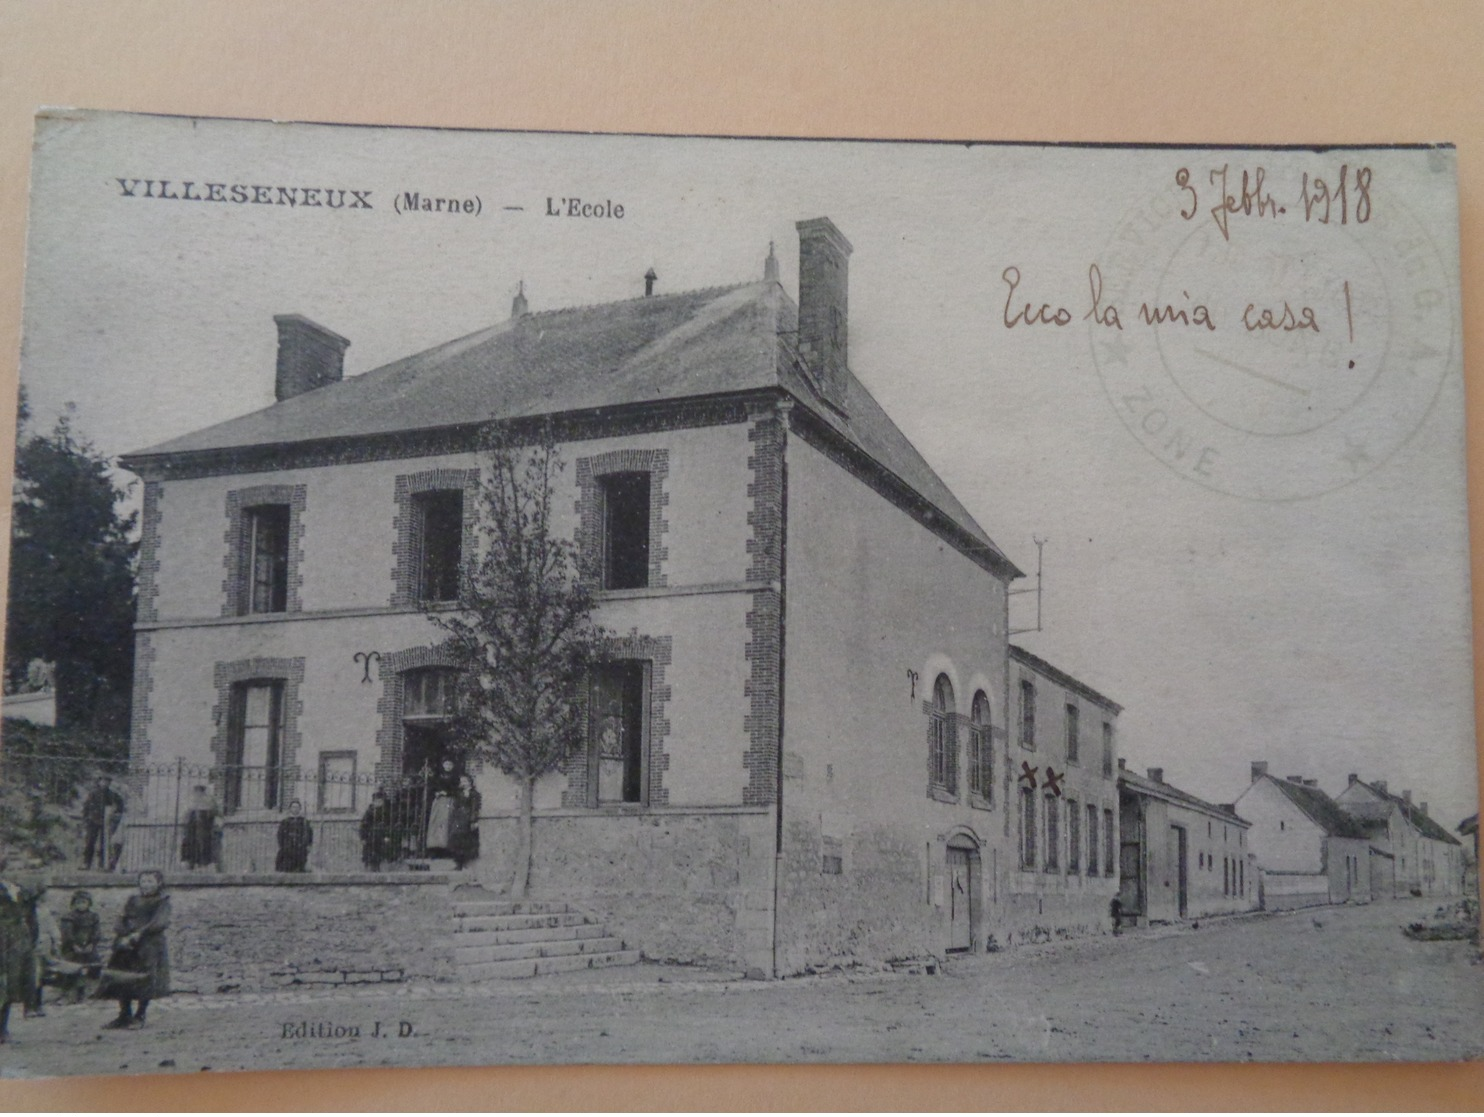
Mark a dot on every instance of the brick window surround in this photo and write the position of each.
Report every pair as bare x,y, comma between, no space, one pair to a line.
407,522
656,653
590,472
288,670
237,587
393,668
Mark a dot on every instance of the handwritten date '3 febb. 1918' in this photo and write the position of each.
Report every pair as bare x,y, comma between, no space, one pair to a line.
1320,200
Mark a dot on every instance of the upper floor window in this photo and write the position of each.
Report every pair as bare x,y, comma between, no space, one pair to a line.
625,530
429,701
981,755
439,526
267,558
943,740
1108,749
1072,730
1027,713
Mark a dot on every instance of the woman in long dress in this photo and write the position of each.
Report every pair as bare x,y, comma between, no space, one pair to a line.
198,846
139,969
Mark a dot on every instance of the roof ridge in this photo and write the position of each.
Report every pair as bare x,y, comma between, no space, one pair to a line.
715,289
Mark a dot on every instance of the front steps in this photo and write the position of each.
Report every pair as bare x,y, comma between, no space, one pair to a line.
524,938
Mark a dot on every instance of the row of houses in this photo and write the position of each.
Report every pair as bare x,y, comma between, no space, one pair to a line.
811,741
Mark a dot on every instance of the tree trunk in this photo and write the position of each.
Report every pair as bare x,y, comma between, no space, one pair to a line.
523,849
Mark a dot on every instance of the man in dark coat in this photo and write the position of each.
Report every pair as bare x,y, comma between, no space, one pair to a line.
295,836
139,968
102,806
17,951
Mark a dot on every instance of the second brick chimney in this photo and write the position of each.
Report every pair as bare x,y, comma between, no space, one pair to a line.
824,305
1259,769
309,356
1157,775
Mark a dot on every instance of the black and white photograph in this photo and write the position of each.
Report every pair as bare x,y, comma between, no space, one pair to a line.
497,597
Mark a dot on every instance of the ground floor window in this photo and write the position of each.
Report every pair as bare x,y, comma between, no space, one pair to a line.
254,746
1074,836
1092,839
1053,832
1027,828
1110,842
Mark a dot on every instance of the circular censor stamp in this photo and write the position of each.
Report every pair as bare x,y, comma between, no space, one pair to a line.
1274,328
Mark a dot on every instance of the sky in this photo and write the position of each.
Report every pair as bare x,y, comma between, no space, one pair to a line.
1256,537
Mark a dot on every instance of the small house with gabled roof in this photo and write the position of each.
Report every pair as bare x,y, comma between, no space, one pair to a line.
798,743
1309,848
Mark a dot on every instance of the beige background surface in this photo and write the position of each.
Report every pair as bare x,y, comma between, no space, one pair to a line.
1284,72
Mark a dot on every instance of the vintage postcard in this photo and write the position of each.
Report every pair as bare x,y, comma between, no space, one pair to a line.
496,597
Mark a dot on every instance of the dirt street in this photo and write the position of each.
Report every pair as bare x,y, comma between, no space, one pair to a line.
1323,984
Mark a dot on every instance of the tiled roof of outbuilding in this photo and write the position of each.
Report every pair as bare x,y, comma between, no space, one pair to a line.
684,346
1162,790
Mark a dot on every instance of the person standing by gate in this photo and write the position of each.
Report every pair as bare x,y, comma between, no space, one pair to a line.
295,836
102,805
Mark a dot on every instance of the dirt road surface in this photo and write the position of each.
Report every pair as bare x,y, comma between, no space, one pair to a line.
1323,984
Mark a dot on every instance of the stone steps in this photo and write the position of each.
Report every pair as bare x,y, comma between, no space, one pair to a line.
505,952
500,939
470,924
529,935
534,967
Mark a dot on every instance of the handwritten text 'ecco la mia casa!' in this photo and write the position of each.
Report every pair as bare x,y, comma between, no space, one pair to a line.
1255,316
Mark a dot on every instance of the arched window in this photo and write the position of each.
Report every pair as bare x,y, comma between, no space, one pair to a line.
943,739
981,757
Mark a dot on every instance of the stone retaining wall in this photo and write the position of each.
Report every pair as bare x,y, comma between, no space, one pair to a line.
255,933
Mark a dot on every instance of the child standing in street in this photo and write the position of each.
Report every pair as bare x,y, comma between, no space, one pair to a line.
139,969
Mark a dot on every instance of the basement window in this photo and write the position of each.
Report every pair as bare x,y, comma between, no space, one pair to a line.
625,530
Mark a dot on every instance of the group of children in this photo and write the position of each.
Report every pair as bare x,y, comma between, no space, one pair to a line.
38,951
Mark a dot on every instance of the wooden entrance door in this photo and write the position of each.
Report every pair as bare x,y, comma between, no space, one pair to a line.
1179,853
960,900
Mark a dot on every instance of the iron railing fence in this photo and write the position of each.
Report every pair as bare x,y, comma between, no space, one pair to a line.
179,816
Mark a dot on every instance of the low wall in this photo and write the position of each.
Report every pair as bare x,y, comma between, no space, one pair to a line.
692,886
253,933
1285,891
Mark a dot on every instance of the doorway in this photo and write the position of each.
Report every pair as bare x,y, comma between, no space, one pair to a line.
963,860
1179,853
616,731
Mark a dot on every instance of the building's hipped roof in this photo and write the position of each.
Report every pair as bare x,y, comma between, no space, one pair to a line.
1413,813
1162,790
1325,813
665,348
1057,675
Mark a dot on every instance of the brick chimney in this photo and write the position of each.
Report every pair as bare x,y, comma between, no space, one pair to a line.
520,306
1422,806
1311,783
1295,779
1407,797
1353,777
1157,775
1259,769
1122,763
309,356
824,319
1379,785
